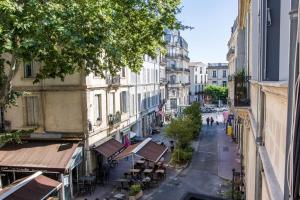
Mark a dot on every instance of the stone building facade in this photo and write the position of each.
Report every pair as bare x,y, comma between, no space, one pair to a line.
177,72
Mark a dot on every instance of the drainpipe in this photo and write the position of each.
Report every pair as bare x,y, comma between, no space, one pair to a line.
293,71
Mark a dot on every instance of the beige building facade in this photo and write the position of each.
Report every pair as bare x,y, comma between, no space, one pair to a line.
260,99
88,108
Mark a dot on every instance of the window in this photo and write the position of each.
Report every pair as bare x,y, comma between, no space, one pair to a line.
145,102
32,114
1,119
139,102
173,79
201,79
97,107
148,75
123,102
214,74
173,92
224,83
148,100
214,82
132,105
224,73
29,69
196,79
173,103
200,70
173,64
123,72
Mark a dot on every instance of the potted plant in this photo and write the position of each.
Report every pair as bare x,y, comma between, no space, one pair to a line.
135,192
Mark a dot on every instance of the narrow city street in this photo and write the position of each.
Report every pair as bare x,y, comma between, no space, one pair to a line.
208,170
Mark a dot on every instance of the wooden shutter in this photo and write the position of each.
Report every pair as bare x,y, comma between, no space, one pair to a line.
32,111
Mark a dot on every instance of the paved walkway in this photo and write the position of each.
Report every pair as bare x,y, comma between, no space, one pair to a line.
211,165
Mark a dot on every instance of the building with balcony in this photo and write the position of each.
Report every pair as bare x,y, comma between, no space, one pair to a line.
264,98
217,74
236,61
92,111
177,72
198,79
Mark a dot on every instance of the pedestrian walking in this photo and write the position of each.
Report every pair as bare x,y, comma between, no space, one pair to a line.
211,121
207,121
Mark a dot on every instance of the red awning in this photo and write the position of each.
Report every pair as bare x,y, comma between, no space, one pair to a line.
51,156
109,148
34,187
127,152
147,149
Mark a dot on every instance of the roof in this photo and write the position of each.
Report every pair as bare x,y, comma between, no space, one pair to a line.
51,156
217,66
147,149
34,187
109,148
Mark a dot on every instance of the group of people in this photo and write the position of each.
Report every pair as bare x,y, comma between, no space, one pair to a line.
210,120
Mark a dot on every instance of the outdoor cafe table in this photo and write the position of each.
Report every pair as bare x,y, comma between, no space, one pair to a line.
161,171
122,181
140,161
134,171
148,171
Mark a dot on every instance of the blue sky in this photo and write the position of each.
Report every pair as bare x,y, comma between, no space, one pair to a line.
212,20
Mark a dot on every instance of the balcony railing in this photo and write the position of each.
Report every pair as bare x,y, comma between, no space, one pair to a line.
241,91
113,80
114,119
176,84
178,56
163,81
163,61
177,69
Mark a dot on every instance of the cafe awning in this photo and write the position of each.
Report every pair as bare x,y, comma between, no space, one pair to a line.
147,149
34,187
109,148
37,155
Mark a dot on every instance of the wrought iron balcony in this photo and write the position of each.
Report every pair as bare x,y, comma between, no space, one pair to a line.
241,91
178,56
163,61
113,80
114,119
163,81
177,69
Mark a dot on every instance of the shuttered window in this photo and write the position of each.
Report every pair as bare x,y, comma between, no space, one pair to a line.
31,111
123,102
97,107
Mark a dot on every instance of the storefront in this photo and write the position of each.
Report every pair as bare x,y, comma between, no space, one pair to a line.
61,161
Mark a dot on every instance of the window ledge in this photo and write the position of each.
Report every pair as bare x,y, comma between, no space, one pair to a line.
274,189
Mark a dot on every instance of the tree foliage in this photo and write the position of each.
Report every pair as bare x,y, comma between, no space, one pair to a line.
181,131
68,36
216,92
194,113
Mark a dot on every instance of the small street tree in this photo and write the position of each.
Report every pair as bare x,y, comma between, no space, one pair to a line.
193,112
181,131
216,92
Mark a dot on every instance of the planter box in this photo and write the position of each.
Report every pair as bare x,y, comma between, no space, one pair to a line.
137,196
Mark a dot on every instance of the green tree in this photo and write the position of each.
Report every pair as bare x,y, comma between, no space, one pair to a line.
216,92
181,131
194,113
68,36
